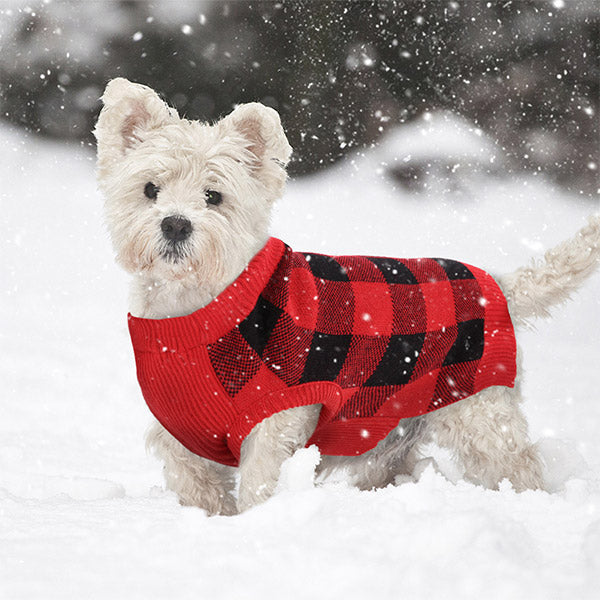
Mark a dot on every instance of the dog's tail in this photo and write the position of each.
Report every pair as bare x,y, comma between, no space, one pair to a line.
532,291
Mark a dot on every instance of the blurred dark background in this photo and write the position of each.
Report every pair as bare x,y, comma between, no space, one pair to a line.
339,73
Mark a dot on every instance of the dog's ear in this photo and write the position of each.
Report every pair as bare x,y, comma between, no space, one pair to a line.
268,148
130,112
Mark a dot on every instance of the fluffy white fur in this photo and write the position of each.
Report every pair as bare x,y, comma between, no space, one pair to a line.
243,157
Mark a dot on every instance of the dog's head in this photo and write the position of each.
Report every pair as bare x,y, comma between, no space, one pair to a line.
184,196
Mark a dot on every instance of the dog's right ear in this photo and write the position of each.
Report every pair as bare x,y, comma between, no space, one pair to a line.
131,111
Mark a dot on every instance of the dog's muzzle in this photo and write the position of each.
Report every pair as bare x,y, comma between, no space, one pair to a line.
176,230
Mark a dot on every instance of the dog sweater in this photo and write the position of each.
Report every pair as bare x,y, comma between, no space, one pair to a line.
373,340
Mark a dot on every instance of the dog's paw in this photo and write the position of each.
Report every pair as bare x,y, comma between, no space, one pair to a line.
252,496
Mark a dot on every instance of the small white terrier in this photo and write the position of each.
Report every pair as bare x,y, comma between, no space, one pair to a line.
188,207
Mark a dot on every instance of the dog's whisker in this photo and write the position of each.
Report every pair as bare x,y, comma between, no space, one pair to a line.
174,253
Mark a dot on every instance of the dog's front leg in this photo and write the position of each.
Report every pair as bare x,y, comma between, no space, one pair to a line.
267,446
196,480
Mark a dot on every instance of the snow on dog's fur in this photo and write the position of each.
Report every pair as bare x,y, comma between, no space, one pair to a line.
188,205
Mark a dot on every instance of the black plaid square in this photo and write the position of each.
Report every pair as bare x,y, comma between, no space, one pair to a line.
326,267
326,357
454,269
256,328
468,345
393,270
398,362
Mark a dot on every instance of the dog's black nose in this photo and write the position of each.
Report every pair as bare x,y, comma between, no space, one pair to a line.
176,229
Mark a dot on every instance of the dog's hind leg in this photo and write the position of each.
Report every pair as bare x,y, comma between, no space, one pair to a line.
195,480
266,447
395,455
488,434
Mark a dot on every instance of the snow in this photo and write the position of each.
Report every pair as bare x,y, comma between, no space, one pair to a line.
83,513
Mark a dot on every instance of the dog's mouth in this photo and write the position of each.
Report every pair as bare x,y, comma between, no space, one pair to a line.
175,252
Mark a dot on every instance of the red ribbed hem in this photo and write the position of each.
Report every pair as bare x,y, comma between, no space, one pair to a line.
354,436
209,323
498,365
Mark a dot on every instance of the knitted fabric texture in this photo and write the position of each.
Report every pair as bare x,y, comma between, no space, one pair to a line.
374,340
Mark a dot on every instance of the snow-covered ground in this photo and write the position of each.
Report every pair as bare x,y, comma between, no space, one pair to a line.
83,513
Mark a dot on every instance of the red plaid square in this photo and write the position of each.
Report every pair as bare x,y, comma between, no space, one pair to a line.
373,309
438,304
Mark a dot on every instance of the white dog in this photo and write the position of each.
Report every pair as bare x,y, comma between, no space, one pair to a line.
188,207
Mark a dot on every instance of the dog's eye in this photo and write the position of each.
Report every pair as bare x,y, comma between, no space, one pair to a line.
214,198
151,190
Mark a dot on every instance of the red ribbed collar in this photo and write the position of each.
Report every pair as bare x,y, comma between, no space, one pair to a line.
214,320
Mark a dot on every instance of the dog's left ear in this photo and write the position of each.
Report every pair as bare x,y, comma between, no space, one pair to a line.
268,148
131,112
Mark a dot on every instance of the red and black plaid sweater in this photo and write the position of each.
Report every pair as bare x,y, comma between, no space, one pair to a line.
374,340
